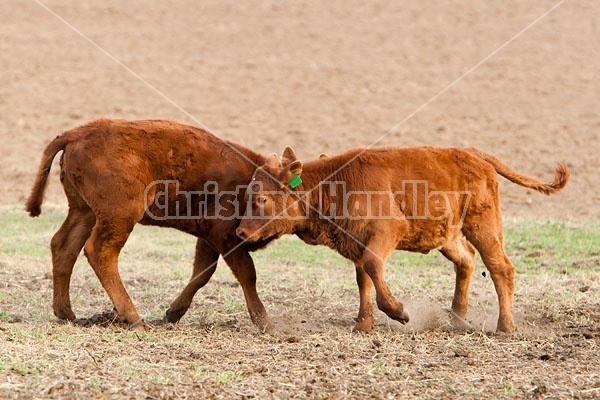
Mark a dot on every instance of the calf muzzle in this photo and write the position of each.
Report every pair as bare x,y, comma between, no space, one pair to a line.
241,233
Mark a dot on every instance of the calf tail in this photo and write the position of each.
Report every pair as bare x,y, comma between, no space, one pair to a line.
561,175
34,203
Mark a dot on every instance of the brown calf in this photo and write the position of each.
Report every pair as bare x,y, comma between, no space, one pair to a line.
118,173
366,203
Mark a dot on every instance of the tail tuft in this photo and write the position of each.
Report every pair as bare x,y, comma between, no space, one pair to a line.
561,177
33,208
34,203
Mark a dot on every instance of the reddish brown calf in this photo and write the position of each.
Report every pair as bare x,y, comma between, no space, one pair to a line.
110,170
367,202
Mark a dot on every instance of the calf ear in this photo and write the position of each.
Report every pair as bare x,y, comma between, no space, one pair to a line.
289,156
291,171
272,161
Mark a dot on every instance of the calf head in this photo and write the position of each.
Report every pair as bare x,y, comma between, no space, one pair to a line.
274,207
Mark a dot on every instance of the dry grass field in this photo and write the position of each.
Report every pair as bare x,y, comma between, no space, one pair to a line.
323,77
310,292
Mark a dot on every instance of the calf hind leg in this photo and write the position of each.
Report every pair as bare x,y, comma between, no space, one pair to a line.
102,251
502,272
66,244
488,241
462,254
205,264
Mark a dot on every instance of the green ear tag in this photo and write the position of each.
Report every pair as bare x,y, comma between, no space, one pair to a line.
295,181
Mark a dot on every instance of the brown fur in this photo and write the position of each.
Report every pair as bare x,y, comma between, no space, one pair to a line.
458,213
106,167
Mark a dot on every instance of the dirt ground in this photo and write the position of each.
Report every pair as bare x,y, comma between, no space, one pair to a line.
215,352
322,77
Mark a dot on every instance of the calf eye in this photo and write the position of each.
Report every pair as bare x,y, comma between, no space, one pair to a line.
260,201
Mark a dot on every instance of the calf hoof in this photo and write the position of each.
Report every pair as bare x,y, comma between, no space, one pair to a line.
394,310
263,322
460,323
364,326
505,326
172,316
403,318
268,328
64,313
139,326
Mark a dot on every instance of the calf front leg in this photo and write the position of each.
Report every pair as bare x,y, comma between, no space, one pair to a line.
373,262
205,264
364,322
242,266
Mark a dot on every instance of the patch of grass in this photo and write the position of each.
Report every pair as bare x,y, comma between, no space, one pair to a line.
228,377
178,275
21,367
534,247
232,304
160,245
160,379
383,368
67,339
94,383
27,236
5,363
553,246
293,251
199,371
198,368
507,389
